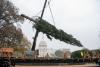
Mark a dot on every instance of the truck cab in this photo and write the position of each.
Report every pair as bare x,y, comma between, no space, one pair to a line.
6,57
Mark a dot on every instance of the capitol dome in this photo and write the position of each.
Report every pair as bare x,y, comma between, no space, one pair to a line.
43,44
42,49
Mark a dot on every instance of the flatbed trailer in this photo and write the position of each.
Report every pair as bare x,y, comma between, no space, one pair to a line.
23,61
58,61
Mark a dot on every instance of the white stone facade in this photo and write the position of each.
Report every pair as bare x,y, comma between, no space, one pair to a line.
42,49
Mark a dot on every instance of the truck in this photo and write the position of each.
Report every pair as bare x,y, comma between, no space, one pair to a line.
6,57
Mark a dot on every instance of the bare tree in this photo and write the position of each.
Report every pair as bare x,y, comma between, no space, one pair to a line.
9,34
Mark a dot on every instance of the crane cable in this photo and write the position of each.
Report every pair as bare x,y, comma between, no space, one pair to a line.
48,5
52,15
51,12
40,11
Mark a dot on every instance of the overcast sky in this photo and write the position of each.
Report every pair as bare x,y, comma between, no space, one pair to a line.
81,18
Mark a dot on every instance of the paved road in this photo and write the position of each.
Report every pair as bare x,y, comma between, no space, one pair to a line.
86,65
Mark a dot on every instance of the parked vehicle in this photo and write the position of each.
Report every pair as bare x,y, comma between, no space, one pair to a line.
6,57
